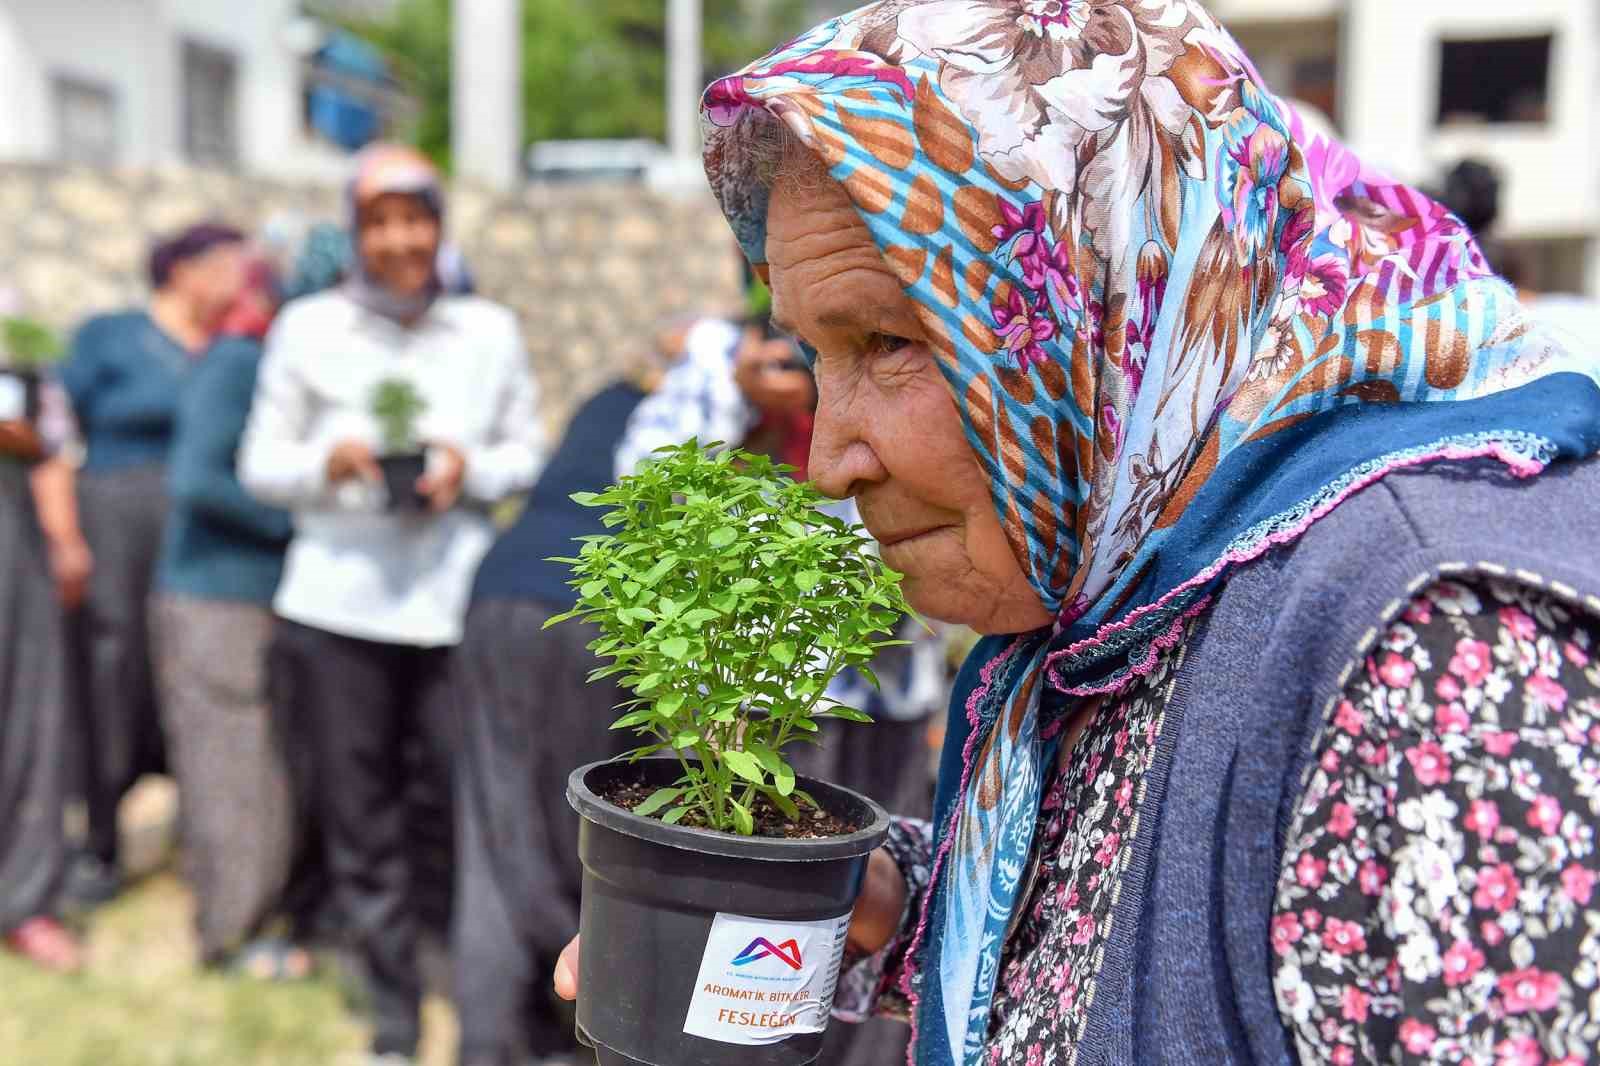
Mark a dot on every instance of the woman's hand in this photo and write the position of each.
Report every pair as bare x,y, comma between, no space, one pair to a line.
878,909
567,971
441,485
873,923
353,459
71,566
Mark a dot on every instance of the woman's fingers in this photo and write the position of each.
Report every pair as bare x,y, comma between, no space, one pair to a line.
567,971
441,485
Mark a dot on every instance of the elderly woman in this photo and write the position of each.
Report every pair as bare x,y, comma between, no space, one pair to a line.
1277,512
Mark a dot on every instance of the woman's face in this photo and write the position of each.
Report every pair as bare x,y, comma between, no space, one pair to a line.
887,431
211,281
398,241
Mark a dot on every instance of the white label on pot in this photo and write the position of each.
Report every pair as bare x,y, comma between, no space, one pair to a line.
762,981
13,398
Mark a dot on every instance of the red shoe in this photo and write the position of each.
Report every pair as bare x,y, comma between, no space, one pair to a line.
46,943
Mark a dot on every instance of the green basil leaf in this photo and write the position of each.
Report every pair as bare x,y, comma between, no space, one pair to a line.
783,803
634,718
783,779
658,799
658,571
741,818
764,755
745,765
849,714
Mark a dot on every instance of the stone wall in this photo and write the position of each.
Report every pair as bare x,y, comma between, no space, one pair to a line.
588,268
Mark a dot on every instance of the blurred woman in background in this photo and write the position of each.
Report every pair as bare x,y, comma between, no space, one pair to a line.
373,599
211,622
123,377
33,700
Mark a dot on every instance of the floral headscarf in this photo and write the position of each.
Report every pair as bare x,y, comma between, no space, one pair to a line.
1178,328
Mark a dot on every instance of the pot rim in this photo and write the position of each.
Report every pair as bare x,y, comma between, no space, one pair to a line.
603,812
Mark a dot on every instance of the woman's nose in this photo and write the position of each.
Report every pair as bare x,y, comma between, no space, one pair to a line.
842,460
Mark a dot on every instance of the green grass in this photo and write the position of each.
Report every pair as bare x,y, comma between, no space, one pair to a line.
144,1002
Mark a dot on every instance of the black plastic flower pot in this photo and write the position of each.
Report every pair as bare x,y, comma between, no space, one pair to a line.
400,474
709,949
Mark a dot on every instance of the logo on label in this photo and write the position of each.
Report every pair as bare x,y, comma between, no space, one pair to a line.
787,952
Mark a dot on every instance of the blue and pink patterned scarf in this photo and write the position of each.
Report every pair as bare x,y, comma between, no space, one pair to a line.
1179,330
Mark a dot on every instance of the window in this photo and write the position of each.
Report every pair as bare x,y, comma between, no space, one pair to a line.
86,122
1505,79
210,106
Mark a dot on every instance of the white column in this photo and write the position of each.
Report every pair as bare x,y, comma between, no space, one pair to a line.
25,121
683,79
486,90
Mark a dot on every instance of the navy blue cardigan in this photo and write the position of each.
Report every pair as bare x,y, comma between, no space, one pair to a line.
1187,974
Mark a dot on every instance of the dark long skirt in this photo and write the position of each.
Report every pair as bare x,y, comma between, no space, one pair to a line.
233,778
527,718
122,513
33,709
888,760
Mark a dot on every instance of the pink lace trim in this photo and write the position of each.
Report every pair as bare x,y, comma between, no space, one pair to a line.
1520,464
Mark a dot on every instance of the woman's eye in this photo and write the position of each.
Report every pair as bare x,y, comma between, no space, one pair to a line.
885,343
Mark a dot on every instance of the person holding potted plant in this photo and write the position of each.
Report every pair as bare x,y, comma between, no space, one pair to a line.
34,711
123,375
1276,511
372,599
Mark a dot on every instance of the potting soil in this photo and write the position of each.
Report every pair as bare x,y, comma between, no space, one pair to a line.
769,821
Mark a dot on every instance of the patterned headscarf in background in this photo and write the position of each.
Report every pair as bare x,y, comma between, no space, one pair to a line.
1178,329
321,262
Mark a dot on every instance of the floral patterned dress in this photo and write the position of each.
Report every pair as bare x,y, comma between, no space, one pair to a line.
1437,894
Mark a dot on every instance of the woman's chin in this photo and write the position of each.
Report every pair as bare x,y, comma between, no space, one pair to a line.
941,600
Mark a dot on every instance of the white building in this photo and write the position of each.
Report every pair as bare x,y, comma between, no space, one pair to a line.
1420,85
142,82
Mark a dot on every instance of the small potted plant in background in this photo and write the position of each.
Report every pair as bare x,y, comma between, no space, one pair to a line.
29,347
717,884
397,406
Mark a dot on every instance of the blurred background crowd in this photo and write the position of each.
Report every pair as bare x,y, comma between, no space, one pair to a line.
291,414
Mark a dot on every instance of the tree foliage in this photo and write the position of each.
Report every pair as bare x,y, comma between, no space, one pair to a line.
591,68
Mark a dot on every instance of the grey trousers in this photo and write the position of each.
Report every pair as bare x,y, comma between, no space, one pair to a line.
527,720
33,710
233,779
122,513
